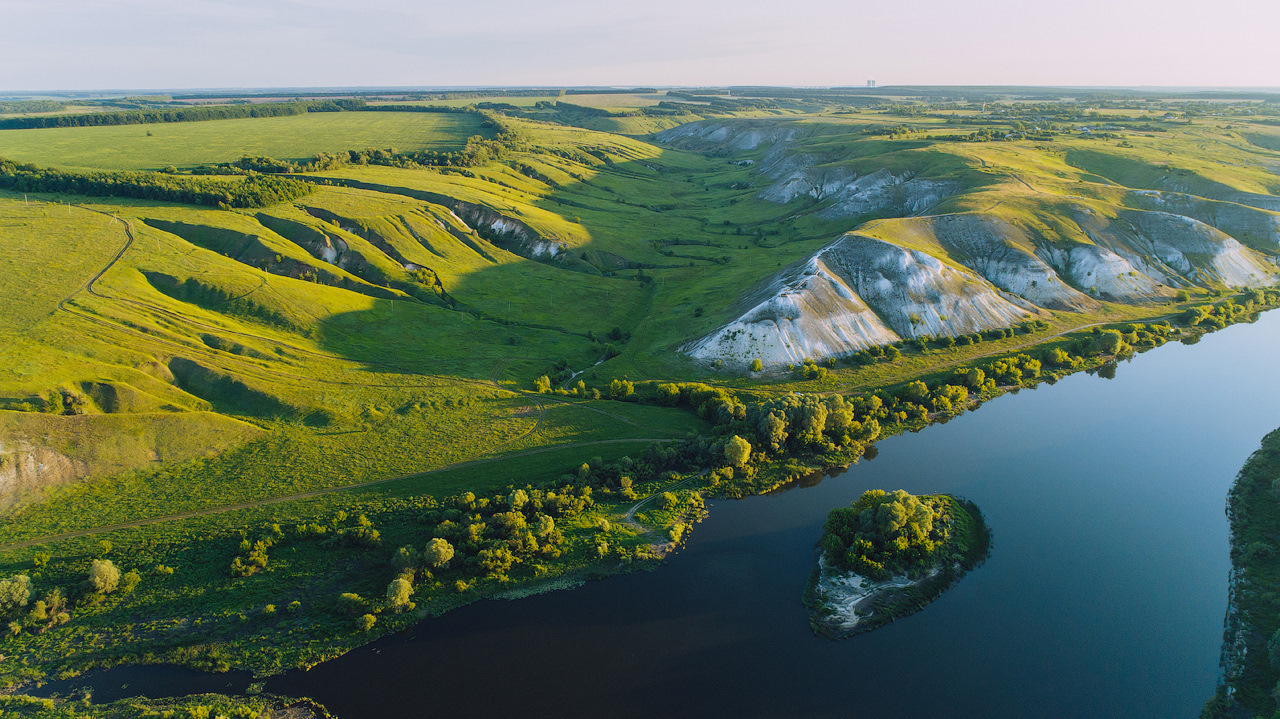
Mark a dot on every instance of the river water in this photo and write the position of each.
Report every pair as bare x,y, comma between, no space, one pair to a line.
1103,596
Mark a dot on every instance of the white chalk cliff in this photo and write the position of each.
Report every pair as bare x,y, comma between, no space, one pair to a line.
854,293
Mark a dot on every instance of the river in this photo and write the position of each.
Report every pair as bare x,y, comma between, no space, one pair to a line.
1103,596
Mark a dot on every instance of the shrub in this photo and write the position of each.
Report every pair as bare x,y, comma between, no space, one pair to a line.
350,603
517,499
405,558
1109,342
546,524
398,593
15,592
668,394
737,451
365,622
620,388
438,552
104,577
129,581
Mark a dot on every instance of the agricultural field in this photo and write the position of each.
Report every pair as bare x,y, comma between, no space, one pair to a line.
523,344
609,100
189,144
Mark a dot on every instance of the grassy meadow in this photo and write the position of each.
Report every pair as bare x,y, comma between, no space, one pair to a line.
190,144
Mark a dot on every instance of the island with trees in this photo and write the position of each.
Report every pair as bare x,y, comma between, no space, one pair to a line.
888,555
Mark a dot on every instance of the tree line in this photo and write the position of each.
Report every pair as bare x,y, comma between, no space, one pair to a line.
476,152
252,191
186,114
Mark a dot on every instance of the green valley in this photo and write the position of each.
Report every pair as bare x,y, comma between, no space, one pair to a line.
450,348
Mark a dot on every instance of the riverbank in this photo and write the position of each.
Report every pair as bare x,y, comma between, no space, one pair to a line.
194,705
1251,635
982,649
598,539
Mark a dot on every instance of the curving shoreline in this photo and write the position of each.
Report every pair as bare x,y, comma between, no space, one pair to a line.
1248,671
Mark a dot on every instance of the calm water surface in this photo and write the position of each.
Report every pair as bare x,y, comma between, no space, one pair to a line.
1103,596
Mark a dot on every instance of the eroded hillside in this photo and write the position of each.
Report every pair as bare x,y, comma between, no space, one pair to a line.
948,238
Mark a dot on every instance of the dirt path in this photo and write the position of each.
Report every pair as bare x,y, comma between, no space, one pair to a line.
1024,345
316,493
629,517
493,379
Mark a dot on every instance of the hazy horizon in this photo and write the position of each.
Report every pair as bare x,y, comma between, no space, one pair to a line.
267,91
95,45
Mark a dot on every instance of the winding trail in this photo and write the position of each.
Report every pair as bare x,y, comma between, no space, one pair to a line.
485,457
1030,343
91,531
629,517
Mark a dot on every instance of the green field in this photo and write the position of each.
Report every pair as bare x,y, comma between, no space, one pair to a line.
189,144
193,378
611,101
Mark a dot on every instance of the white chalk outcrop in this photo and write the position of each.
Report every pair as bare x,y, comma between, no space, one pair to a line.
1004,254
1247,224
739,135
851,194
1104,273
1201,252
1174,250
506,232
807,310
26,469
855,292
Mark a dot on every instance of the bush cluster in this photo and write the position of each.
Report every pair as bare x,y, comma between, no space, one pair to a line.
884,534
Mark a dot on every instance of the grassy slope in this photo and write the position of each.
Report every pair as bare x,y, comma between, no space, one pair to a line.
353,374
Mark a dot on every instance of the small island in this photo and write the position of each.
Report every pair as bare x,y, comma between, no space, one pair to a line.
888,555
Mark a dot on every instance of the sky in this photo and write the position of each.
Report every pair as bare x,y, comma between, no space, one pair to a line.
162,44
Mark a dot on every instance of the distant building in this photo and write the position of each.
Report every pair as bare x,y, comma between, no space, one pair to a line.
871,83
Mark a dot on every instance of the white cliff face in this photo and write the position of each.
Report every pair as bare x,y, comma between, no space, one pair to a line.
505,232
806,311
334,251
26,469
795,174
1201,252
1175,249
854,293
854,195
735,135
1104,273
994,249
915,293
1244,223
